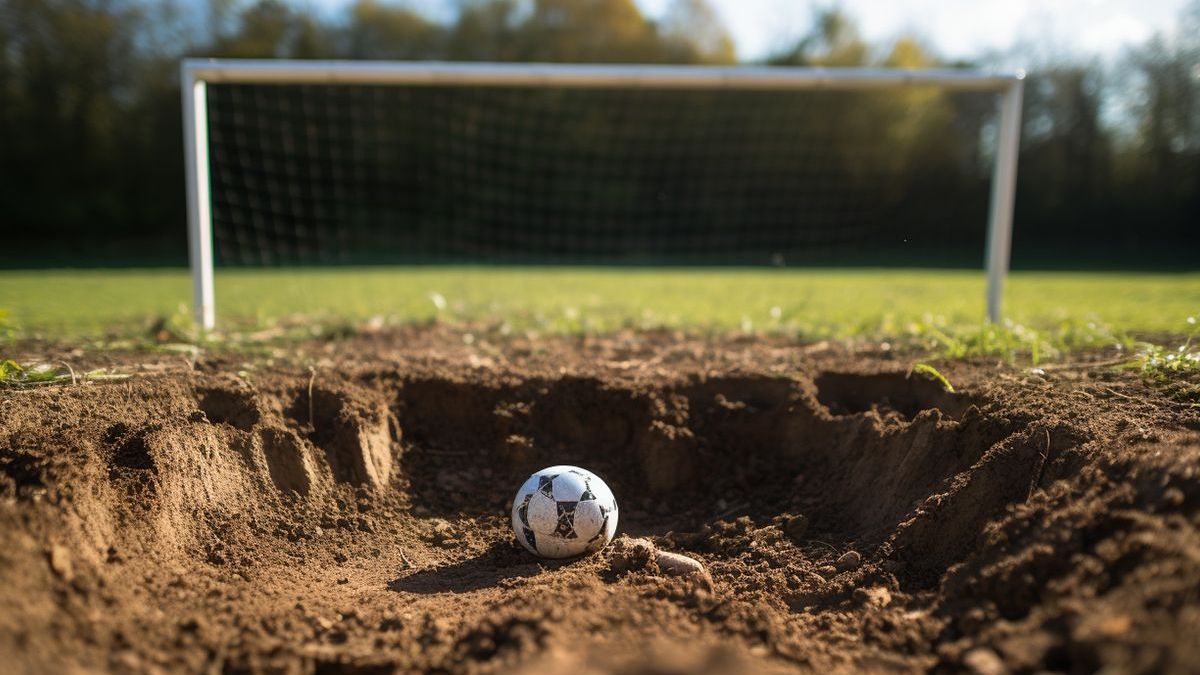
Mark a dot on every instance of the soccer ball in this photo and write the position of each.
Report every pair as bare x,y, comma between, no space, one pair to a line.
563,511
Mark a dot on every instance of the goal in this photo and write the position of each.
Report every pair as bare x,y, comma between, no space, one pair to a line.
332,162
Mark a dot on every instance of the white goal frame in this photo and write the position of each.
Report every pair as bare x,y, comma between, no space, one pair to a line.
197,74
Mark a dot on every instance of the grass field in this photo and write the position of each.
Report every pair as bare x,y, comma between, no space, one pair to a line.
1057,309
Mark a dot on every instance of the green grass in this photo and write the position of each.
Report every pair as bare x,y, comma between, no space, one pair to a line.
928,371
15,376
942,310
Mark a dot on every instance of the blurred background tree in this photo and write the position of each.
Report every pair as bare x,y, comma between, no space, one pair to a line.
91,166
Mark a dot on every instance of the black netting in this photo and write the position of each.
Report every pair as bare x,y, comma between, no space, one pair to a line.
376,174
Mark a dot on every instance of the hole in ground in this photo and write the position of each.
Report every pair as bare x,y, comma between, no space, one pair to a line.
905,393
680,456
229,405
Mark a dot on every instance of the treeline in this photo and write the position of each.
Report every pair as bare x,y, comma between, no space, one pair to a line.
90,139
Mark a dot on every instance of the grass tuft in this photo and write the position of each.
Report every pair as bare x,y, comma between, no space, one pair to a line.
1164,364
8,330
1013,342
928,371
15,376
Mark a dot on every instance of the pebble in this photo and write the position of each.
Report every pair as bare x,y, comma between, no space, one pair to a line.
876,596
60,562
796,527
679,565
983,661
849,561
635,554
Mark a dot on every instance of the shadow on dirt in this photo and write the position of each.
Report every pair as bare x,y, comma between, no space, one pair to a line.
501,561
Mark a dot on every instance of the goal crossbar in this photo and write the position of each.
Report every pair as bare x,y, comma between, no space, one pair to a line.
196,74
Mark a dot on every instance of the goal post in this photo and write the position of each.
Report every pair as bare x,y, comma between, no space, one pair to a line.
198,74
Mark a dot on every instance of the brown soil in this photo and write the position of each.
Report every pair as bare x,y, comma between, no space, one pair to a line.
343,508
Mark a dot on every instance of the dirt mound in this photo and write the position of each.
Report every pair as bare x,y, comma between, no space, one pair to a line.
832,511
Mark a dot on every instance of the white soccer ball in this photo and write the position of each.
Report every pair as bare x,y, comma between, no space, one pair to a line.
563,511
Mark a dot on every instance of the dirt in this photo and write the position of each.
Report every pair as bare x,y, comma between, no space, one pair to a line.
341,507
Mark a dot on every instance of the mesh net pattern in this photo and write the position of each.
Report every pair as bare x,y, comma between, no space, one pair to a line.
387,174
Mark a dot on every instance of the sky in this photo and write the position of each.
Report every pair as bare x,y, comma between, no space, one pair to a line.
955,28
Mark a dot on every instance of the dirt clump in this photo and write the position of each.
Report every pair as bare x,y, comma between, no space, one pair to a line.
784,508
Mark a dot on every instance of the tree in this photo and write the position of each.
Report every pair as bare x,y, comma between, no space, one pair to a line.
833,41
696,30
377,31
611,31
274,29
486,31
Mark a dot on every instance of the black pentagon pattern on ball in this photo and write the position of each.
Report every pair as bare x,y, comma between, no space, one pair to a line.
597,542
566,520
546,485
523,515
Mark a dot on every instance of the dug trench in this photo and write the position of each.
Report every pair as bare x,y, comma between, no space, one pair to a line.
354,519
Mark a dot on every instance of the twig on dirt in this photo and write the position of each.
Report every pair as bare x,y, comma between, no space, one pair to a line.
74,380
1041,469
404,557
312,376
1120,395
831,547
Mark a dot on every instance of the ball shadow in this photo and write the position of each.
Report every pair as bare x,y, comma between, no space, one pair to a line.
501,561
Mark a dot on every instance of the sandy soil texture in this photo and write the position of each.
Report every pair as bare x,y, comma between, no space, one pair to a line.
343,508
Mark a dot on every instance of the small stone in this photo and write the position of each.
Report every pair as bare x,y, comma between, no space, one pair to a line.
60,562
443,534
876,596
983,661
679,565
340,557
827,571
849,561
343,581
129,661
1115,626
973,620
631,555
796,527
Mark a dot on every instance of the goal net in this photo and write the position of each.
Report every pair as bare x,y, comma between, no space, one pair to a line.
317,163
